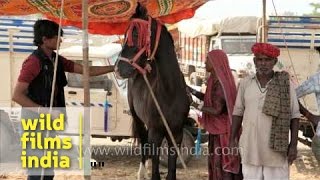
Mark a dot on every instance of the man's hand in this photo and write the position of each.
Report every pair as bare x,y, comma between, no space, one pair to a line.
292,153
311,117
93,70
234,148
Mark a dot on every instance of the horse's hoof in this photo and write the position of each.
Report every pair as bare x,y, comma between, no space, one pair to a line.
148,165
142,173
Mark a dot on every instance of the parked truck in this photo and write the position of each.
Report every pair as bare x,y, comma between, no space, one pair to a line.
297,37
234,35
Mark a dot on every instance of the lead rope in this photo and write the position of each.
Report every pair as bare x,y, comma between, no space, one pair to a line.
54,78
165,123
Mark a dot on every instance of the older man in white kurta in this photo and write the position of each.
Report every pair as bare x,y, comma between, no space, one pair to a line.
256,126
261,160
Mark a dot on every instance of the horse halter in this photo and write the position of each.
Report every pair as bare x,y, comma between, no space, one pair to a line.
144,42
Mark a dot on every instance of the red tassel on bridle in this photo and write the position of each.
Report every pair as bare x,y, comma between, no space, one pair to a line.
143,41
143,29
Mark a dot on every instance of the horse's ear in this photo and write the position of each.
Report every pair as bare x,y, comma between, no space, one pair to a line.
141,12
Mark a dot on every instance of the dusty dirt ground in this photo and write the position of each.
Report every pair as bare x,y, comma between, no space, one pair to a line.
125,167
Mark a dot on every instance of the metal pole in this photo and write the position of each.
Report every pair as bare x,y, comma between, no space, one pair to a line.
264,22
86,86
11,52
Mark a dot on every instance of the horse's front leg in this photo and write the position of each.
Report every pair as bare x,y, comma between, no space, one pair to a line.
155,138
172,154
143,171
140,132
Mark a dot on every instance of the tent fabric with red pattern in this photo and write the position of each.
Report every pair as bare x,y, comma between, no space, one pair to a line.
105,17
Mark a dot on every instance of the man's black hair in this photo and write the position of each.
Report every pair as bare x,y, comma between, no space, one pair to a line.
45,28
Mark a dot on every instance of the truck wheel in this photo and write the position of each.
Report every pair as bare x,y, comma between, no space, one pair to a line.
186,148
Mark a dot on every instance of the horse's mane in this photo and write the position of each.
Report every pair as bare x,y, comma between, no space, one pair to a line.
141,12
167,61
165,64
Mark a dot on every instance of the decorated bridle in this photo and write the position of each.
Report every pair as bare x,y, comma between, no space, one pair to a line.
144,41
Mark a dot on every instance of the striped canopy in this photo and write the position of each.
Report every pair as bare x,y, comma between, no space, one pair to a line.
105,17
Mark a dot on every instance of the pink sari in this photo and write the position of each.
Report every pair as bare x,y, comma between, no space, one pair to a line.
219,126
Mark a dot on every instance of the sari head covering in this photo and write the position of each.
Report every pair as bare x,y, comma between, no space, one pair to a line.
221,124
220,63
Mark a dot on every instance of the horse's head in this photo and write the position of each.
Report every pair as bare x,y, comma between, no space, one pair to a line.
139,44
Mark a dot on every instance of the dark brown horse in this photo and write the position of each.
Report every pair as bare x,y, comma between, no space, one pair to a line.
149,49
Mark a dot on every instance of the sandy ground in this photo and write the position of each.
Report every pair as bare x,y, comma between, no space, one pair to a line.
125,167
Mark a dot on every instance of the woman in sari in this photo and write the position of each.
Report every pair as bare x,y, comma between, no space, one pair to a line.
219,99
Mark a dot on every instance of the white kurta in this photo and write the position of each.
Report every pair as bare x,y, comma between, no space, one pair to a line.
256,126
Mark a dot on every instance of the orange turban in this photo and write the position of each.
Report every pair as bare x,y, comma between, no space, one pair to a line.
265,49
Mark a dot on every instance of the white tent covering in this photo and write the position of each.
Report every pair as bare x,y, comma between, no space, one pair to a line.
239,24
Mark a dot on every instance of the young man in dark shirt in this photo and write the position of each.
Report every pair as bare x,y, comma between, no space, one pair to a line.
33,88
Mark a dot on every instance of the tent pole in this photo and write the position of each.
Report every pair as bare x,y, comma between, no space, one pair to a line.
85,50
12,62
264,21
86,87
